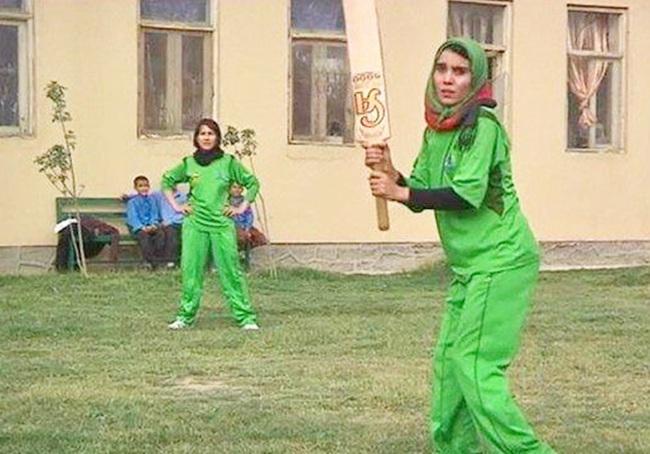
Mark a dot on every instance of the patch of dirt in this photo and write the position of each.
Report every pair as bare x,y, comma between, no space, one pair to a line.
203,385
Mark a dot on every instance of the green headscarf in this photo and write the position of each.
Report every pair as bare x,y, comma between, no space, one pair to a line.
435,110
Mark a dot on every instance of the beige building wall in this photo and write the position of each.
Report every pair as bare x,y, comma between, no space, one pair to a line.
319,193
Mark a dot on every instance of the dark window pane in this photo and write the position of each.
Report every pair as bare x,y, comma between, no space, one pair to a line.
302,62
493,67
604,111
595,128
193,84
578,136
9,113
11,4
337,91
155,81
317,15
194,11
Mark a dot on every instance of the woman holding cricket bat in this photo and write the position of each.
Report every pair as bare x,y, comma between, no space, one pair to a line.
463,172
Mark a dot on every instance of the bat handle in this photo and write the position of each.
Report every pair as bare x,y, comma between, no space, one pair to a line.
382,214
382,207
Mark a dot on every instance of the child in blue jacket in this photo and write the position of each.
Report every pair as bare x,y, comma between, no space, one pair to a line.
145,223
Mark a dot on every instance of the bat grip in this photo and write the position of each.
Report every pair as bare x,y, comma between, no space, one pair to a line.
382,207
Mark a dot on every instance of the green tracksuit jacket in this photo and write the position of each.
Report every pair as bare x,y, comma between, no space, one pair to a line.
208,230
494,257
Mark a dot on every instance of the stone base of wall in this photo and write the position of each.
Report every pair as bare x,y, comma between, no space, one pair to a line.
563,255
395,257
348,258
27,259
351,258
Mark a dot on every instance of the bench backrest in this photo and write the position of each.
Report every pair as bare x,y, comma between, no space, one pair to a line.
111,210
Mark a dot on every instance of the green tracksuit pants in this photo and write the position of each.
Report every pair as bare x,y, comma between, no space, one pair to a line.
222,244
473,410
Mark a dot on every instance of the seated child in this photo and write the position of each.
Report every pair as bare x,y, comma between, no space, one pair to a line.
172,221
247,234
145,223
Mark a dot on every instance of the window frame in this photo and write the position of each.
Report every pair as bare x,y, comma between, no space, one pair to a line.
618,119
24,20
495,50
318,40
175,31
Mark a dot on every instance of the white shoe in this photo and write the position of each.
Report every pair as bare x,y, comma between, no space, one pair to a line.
177,324
250,327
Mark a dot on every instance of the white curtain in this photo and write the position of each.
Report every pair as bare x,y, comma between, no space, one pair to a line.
587,31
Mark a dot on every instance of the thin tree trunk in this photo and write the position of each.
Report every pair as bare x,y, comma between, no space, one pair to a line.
81,256
264,224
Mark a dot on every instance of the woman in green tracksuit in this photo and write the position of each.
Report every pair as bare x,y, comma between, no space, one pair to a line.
463,172
208,225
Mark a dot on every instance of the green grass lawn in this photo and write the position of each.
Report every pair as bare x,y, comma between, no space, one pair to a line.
342,364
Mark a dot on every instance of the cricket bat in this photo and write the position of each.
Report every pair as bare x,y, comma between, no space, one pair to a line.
371,125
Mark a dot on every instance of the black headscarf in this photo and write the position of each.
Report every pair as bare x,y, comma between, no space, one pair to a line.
205,157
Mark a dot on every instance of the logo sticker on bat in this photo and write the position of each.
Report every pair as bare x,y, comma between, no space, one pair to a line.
368,107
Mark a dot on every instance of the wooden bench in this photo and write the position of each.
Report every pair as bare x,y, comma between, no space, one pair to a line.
111,210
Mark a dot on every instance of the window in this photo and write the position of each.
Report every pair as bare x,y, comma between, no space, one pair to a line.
595,48
321,108
487,23
15,76
175,76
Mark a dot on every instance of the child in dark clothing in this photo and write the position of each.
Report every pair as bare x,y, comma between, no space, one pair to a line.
172,221
144,221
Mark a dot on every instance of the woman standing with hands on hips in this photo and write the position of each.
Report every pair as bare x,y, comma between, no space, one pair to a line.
208,226
463,172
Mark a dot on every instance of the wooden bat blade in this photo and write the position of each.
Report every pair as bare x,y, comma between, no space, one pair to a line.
371,122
